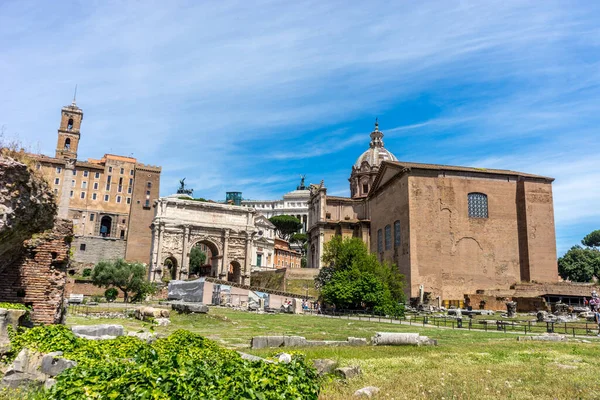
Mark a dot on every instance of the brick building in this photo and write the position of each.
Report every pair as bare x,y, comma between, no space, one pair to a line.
110,200
285,257
452,229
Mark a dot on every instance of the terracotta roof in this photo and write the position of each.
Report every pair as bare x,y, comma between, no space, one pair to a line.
439,167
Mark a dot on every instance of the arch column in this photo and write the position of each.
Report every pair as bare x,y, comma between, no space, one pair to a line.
245,275
158,265
185,260
224,262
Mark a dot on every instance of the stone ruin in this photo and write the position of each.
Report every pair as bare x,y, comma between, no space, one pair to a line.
34,246
511,309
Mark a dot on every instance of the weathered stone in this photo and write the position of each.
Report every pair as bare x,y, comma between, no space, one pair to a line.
368,391
24,370
400,339
148,337
324,365
541,316
162,321
189,308
251,357
95,332
8,318
348,372
49,383
294,341
511,309
285,358
352,341
147,313
547,337
53,364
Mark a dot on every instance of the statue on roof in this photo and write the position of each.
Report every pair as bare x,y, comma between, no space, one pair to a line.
301,187
182,189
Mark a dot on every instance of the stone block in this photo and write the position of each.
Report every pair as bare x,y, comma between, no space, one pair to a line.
162,321
24,370
53,364
348,372
368,391
187,308
294,341
352,341
324,365
147,337
94,332
251,357
284,358
547,337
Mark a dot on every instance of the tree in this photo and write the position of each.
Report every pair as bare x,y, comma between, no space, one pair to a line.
128,277
354,279
285,225
592,239
579,264
197,259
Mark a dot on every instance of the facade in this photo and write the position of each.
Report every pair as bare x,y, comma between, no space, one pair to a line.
109,200
454,230
234,238
285,256
294,203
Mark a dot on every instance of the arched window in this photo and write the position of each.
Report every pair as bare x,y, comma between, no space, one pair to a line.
70,124
478,205
397,234
388,237
67,143
379,241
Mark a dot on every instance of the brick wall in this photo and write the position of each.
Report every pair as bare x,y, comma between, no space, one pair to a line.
38,277
97,249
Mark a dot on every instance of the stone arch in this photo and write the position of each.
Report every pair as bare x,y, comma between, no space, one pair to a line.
235,272
105,226
170,268
211,249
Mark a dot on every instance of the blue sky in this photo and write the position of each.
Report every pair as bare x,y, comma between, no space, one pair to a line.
246,96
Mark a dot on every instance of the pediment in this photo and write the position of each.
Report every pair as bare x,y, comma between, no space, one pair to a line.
387,172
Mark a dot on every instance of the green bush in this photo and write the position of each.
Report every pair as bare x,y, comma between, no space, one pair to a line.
111,294
181,366
14,306
86,272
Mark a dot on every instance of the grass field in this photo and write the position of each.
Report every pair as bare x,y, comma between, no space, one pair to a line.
465,365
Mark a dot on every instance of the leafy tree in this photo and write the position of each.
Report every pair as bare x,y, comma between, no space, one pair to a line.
580,264
592,239
354,279
111,294
128,277
197,259
285,225
301,239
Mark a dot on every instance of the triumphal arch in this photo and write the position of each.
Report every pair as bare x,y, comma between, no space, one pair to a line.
223,232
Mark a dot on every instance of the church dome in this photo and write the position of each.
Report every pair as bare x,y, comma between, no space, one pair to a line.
376,153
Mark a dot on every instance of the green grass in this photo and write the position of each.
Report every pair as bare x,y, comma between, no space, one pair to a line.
465,365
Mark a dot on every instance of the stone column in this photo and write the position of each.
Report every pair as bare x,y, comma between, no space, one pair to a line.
245,275
185,260
224,260
158,265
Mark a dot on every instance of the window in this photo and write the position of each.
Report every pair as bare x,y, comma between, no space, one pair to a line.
85,174
97,176
67,144
118,199
122,233
109,169
147,193
131,172
92,216
55,191
82,247
119,188
149,185
122,170
129,190
56,181
123,221
58,170
379,241
106,197
73,182
70,124
478,205
396,233
94,196
129,200
84,185
82,195
74,172
71,194
388,237
147,204
95,185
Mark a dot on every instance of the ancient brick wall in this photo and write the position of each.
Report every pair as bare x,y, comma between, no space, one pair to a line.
38,277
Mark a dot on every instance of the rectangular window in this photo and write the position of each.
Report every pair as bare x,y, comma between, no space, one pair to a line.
122,233
109,169
131,172
149,185
130,181
108,179
106,197
388,237
147,204
119,188
92,216
129,190
396,233
95,185
122,170
478,205
84,185
85,174
108,186
97,175
82,195
74,172
73,182
147,193
118,199
380,241
94,196
129,200
56,181
58,170
71,194
82,247
258,260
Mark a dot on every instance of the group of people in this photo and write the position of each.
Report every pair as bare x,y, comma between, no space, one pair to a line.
594,304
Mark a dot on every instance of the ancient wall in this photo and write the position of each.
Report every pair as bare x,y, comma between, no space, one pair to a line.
38,277
92,249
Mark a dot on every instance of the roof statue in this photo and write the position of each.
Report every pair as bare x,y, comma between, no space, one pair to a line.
182,189
302,186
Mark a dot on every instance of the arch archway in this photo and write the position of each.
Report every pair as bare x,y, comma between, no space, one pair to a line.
210,266
170,267
105,226
235,272
67,143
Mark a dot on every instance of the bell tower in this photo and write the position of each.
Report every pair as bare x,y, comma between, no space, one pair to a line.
68,131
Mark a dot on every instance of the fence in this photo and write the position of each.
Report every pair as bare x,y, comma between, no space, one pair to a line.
575,328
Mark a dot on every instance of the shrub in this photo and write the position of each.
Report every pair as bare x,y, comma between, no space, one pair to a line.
86,272
111,294
181,366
